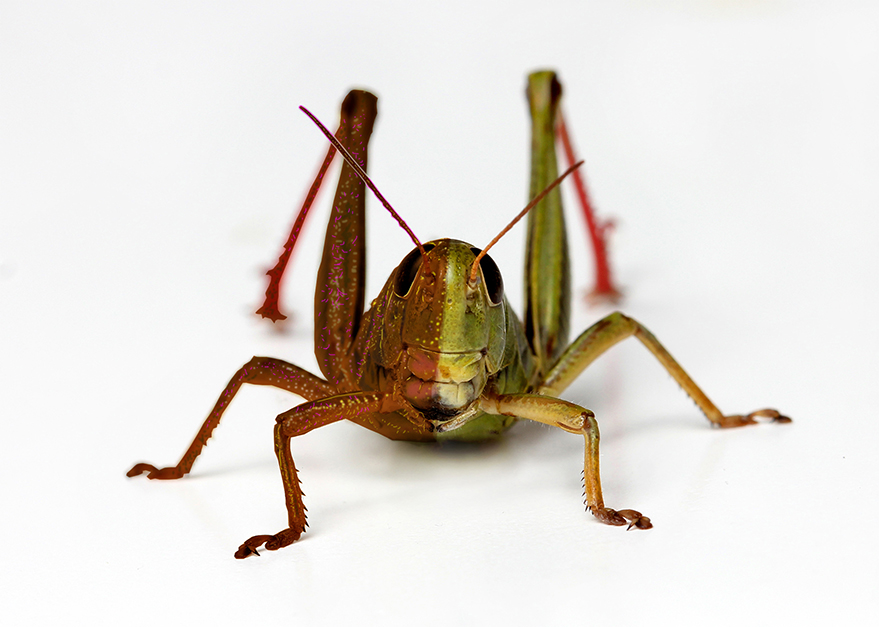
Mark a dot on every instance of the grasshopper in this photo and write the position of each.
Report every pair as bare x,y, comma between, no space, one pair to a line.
440,354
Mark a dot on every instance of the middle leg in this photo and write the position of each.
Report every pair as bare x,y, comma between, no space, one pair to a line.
258,371
617,327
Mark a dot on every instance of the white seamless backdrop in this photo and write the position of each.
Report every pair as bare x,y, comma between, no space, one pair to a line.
151,159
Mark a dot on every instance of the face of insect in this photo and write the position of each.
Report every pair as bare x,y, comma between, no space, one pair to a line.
443,334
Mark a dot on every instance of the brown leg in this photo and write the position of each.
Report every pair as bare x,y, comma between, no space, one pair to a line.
258,371
574,419
302,419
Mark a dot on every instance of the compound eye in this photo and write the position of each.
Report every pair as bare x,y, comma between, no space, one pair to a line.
407,271
494,283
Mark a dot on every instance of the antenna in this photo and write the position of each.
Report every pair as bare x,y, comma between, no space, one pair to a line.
529,207
362,174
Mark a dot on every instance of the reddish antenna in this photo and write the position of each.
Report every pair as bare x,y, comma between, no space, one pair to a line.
529,207
362,174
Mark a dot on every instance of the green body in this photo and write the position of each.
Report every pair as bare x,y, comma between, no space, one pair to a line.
449,334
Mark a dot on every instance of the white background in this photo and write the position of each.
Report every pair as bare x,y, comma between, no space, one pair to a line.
151,158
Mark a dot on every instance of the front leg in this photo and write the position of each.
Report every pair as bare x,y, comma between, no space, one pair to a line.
574,419
302,419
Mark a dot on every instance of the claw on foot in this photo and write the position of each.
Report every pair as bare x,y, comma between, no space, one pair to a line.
773,415
622,517
171,472
635,519
272,543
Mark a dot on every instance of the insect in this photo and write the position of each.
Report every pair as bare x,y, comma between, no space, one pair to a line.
440,354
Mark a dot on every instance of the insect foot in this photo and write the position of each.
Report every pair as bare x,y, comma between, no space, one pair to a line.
273,543
773,415
171,472
624,516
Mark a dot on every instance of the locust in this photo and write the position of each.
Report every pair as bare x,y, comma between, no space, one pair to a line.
440,355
